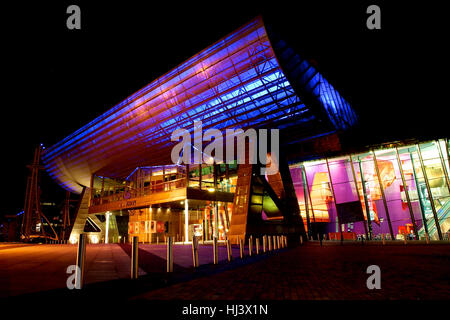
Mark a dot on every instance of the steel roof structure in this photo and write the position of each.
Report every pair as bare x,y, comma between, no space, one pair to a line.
247,79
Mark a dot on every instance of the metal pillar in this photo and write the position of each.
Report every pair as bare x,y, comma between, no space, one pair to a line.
216,209
305,194
134,258
241,248
195,251
215,251
334,199
200,176
107,227
229,252
405,187
169,254
359,196
81,262
186,221
430,195
383,195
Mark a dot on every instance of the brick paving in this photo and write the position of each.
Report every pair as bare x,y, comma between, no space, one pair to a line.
31,268
312,272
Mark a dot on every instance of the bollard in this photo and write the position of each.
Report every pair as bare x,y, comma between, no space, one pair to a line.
215,251
81,262
134,257
383,239
279,242
427,237
257,246
250,246
229,253
157,240
269,240
274,240
404,239
169,254
241,248
264,244
195,251
301,240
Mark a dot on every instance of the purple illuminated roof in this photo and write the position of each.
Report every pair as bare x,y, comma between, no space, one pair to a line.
235,83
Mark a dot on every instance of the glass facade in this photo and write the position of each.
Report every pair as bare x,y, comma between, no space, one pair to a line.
400,191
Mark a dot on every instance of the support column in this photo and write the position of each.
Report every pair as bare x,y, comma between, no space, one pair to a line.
359,197
334,200
430,195
309,197
382,194
366,201
405,187
107,227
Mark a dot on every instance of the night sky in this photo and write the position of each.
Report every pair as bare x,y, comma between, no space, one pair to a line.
57,80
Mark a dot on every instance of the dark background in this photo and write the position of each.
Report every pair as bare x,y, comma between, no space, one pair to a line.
56,80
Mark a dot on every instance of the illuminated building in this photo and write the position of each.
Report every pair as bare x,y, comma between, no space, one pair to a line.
120,162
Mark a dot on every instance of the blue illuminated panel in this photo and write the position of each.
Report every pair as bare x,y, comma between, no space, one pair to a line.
235,83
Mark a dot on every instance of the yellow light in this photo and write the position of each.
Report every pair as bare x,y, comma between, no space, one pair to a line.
211,189
94,239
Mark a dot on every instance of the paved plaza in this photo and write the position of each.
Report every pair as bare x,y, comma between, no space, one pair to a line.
309,272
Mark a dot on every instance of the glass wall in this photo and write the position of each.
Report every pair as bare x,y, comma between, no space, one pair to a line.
397,192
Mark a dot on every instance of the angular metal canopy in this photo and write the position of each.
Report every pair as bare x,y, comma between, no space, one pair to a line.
238,82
